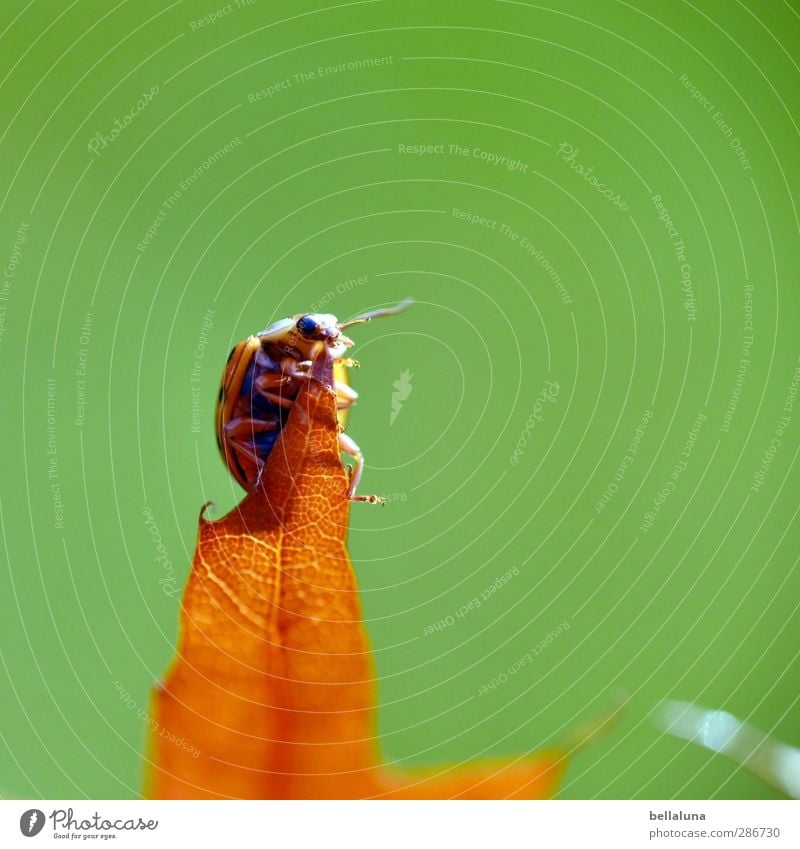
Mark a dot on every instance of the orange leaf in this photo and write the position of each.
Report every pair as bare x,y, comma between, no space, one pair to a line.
272,692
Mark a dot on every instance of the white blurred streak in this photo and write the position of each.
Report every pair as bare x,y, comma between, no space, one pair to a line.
776,763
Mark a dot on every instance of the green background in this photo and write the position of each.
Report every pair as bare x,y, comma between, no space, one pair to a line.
317,192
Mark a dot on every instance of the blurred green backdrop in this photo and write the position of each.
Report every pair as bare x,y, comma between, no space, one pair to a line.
594,194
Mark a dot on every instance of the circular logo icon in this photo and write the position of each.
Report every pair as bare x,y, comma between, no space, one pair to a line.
31,822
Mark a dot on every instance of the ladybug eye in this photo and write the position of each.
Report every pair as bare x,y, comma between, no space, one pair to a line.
306,325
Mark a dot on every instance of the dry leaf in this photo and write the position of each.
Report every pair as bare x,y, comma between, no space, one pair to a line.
272,693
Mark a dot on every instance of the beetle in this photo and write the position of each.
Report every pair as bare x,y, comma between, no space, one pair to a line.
261,381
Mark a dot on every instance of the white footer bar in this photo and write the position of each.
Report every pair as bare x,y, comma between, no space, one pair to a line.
405,825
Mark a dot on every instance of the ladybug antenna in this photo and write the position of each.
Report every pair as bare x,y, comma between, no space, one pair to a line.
368,316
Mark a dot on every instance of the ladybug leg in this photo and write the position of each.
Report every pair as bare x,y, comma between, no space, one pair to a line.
239,432
246,448
294,369
349,447
301,369
266,383
345,395
272,380
242,426
288,403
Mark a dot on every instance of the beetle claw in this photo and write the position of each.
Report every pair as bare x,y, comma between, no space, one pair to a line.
369,499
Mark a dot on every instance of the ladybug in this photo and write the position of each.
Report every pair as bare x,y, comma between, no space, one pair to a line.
262,378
